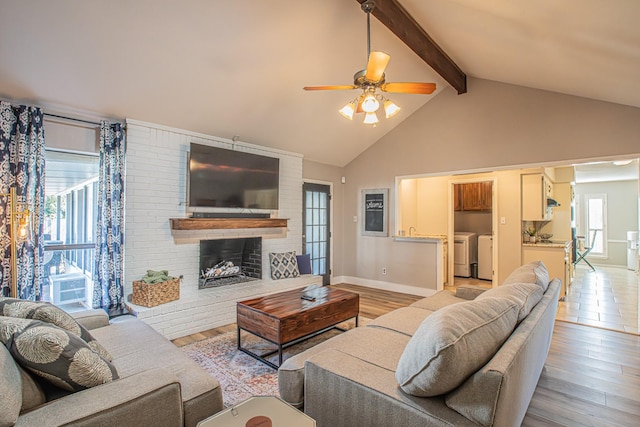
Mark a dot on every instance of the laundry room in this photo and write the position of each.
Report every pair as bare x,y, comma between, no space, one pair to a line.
473,228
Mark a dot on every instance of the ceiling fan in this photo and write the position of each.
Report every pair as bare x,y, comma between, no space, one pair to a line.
372,78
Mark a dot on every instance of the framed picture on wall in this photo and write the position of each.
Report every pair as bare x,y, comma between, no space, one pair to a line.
375,212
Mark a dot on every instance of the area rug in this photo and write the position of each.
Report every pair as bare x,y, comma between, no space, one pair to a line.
240,375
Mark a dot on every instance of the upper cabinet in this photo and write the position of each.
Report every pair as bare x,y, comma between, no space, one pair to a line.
473,196
536,189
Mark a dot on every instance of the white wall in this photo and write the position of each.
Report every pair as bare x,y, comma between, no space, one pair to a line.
156,174
494,125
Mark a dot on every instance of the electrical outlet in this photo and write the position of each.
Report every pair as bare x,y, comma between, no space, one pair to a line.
384,270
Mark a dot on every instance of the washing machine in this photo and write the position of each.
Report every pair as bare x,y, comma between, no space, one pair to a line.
465,252
485,256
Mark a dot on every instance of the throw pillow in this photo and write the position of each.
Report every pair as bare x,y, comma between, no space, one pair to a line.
283,265
304,263
59,356
533,272
526,295
46,312
453,343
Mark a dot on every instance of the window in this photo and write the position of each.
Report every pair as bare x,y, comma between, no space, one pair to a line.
595,223
71,184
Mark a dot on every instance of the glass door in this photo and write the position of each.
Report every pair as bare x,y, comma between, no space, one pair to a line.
316,199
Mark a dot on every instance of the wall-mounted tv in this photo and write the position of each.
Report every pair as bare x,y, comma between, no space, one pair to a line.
221,178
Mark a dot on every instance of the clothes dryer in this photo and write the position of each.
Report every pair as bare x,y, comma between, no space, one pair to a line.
465,252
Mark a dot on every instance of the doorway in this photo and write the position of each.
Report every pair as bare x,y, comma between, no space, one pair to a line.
472,230
316,225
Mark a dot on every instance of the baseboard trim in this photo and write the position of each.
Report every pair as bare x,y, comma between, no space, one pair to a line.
386,286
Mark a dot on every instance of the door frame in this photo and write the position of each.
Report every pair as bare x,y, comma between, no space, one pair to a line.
331,220
494,223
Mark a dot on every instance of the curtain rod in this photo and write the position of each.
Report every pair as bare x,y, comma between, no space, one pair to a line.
73,119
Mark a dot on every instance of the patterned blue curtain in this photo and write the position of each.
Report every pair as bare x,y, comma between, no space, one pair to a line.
108,289
22,166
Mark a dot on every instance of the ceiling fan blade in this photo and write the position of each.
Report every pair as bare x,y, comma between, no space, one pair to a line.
407,87
378,62
338,87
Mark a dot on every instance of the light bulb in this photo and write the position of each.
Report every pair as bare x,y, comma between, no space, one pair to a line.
370,119
370,104
347,110
390,108
24,226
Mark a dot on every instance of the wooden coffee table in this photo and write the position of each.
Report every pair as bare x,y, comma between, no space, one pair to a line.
285,318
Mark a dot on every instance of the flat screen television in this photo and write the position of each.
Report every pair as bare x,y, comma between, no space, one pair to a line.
228,179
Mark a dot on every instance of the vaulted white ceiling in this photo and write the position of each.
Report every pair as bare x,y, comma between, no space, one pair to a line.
237,67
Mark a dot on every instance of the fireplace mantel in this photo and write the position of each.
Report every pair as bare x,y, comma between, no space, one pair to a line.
226,223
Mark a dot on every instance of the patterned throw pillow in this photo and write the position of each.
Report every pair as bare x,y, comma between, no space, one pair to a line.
46,312
55,354
283,265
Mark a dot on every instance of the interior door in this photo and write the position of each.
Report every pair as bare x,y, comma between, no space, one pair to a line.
316,201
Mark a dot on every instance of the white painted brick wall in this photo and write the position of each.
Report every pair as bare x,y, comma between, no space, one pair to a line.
156,175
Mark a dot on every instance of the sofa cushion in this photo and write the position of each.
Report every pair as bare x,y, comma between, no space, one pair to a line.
453,343
437,301
378,346
10,387
405,320
470,292
137,347
46,312
526,295
32,393
283,265
533,272
58,356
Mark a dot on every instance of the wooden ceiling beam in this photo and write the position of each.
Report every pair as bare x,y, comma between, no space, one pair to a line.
396,18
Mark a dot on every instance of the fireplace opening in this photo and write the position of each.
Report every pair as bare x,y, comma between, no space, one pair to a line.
230,261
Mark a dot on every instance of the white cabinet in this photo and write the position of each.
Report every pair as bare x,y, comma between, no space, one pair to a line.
557,259
536,188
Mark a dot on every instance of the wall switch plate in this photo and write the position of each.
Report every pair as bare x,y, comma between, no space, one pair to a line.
355,218
503,220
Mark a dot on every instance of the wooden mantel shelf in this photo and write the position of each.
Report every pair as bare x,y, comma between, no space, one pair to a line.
226,223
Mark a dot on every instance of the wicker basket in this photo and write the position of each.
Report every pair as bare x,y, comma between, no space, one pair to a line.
152,294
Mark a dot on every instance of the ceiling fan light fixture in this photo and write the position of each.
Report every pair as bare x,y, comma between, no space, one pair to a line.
370,104
370,119
390,108
348,110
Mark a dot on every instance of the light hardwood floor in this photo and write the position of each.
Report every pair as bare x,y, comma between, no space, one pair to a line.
590,378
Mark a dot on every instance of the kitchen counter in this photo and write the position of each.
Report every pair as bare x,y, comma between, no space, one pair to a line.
556,256
434,243
425,238
551,244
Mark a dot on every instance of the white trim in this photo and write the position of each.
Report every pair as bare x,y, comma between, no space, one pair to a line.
605,233
385,286
494,225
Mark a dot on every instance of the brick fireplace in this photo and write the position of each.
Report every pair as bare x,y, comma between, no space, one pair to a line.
156,189
241,256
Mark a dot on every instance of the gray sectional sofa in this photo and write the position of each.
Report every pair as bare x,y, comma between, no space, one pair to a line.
156,383
467,358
